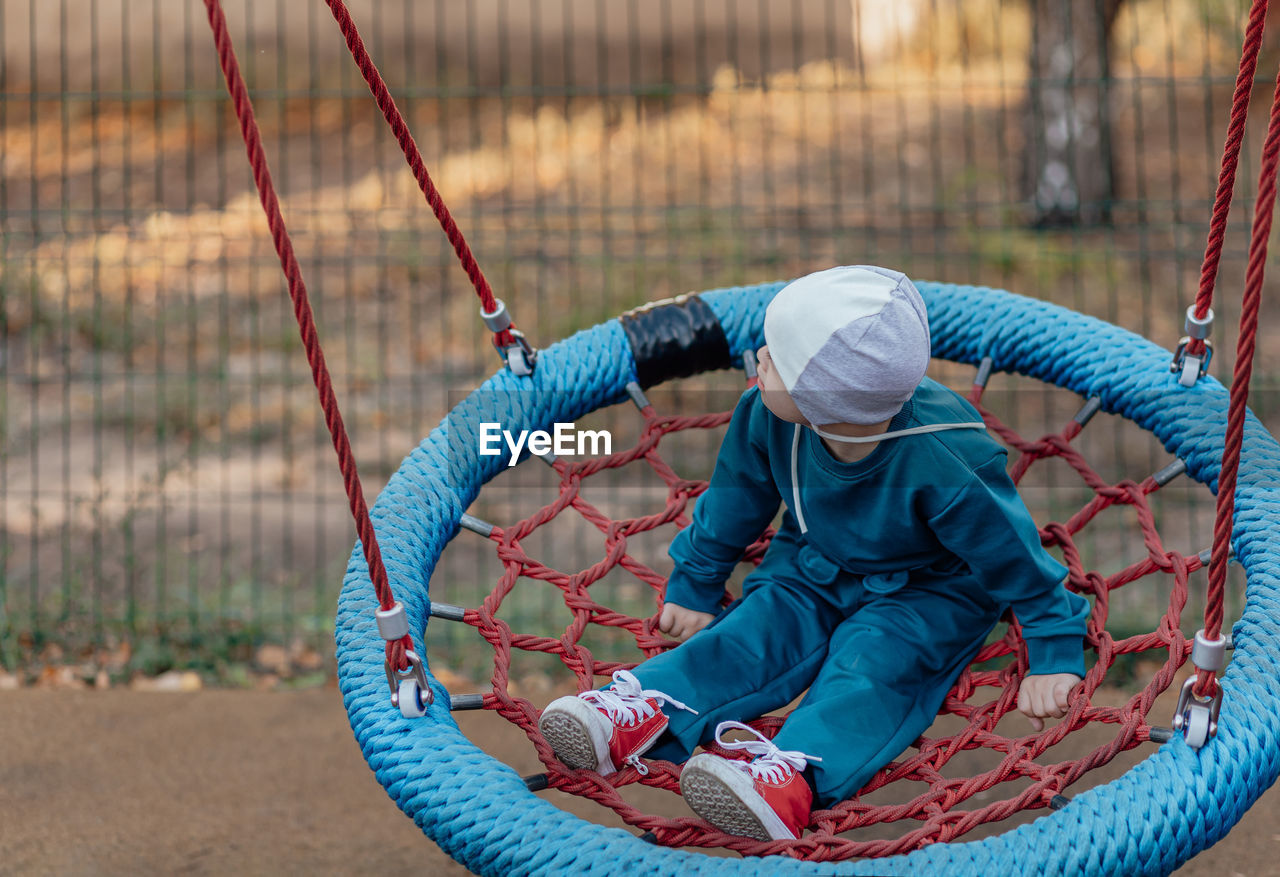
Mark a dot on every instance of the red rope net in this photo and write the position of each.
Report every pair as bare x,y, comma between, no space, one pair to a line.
980,698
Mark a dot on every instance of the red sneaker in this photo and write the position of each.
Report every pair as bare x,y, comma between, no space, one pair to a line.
767,798
603,730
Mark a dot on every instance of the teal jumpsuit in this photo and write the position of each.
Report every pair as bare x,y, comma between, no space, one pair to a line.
883,580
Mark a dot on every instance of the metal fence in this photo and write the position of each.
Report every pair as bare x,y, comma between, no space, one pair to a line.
169,493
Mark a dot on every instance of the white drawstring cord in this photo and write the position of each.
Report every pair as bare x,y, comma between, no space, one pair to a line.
770,763
911,430
854,440
795,480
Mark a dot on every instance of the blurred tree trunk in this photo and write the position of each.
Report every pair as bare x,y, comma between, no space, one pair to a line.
1068,172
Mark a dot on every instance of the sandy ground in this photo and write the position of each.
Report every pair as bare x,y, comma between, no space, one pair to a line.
220,782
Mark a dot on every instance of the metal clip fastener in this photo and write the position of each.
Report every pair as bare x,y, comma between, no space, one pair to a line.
476,525
447,612
409,689
985,368
466,702
638,398
1191,368
749,364
519,356
1167,473
1091,407
1207,555
1195,716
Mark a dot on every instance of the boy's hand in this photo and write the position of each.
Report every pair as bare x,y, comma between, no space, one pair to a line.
681,623
1043,696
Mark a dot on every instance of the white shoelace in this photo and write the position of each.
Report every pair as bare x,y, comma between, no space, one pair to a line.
628,703
770,763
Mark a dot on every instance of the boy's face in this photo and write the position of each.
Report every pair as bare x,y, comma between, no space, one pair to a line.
773,393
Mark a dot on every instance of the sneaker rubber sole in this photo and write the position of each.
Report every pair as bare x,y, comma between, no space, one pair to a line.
573,728
725,795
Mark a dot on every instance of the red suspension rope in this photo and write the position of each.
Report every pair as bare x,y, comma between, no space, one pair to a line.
306,320
400,128
1230,161
1263,212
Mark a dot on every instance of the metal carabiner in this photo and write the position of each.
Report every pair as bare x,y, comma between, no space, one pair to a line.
1195,716
409,689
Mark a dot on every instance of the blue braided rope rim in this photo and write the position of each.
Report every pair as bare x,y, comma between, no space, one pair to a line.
1149,821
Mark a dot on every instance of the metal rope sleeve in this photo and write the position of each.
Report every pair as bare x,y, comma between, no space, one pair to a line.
1156,816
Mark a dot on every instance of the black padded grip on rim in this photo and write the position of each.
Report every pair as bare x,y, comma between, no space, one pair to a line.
675,338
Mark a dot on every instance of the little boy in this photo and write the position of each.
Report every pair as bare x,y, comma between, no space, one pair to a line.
902,542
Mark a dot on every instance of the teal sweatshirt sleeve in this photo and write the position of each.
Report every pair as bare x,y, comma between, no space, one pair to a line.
738,504
987,524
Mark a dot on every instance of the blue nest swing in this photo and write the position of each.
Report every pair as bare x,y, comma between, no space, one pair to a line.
1158,815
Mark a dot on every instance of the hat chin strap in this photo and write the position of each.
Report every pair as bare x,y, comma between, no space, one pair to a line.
913,430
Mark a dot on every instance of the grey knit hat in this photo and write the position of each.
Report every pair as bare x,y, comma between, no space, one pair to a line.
851,344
